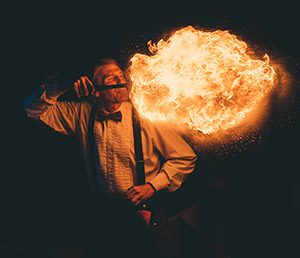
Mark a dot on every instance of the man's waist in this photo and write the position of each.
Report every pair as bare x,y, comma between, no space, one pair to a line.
116,195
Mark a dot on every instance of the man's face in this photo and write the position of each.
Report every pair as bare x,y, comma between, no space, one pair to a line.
107,75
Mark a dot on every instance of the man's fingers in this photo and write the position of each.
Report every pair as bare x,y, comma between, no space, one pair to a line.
137,199
131,190
134,196
90,83
84,87
81,94
76,88
131,195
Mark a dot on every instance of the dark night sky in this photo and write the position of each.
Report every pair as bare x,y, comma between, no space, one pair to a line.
43,171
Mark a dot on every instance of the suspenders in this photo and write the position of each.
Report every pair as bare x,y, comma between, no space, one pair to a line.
91,150
139,174
158,216
138,149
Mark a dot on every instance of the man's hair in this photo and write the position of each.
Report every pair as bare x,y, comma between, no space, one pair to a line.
104,61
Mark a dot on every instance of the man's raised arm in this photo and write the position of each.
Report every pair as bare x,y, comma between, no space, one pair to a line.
43,105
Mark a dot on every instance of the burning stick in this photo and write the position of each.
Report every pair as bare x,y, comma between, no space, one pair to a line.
109,87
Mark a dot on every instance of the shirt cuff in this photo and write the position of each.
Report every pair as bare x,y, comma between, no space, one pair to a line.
160,182
152,186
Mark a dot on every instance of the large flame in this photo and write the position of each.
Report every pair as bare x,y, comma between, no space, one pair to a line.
207,80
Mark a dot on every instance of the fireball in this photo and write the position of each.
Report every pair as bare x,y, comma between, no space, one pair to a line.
208,80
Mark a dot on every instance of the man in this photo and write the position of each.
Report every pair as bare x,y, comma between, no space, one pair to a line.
110,157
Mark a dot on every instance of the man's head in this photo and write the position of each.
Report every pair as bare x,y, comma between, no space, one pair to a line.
108,72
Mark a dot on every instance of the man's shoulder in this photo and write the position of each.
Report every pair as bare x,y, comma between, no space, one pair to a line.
85,108
157,127
80,109
149,125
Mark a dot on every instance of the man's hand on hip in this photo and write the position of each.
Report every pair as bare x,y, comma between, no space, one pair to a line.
140,193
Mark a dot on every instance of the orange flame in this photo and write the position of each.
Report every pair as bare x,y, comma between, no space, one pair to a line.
206,80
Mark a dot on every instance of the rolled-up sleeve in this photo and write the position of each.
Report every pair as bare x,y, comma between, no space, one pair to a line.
180,159
42,105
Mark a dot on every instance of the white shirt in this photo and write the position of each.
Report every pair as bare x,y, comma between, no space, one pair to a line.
114,142
115,152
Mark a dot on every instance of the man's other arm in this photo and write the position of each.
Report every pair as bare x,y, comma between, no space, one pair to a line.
180,159
43,105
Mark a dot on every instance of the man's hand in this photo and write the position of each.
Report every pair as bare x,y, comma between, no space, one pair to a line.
140,193
83,87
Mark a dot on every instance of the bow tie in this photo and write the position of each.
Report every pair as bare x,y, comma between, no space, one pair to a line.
117,116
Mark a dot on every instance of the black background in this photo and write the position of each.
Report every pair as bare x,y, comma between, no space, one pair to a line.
252,205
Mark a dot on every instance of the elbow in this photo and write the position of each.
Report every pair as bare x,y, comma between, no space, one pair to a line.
31,110
193,159
32,105
27,105
191,167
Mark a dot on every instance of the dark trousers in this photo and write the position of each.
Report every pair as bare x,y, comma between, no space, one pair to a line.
116,230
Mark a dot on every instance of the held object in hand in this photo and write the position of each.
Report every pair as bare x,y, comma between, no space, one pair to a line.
71,94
